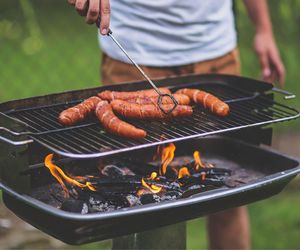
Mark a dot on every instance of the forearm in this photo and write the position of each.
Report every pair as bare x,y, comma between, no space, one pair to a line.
264,42
258,11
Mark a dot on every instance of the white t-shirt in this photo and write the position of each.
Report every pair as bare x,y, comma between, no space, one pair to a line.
171,32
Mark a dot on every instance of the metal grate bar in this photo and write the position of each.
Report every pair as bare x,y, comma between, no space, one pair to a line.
89,139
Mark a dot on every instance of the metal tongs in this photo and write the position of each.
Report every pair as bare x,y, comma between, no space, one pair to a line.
161,95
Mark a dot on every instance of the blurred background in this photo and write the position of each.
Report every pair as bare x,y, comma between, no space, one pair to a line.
46,47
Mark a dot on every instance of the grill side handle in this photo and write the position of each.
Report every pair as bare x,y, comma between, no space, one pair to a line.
15,143
287,95
10,129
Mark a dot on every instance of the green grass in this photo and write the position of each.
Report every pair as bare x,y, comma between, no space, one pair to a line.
275,222
48,50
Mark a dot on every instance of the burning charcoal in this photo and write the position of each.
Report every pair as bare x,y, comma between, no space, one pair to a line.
101,207
132,200
171,173
96,199
75,206
174,186
171,195
121,200
97,203
191,180
218,171
196,189
127,171
112,171
149,198
51,194
212,172
74,193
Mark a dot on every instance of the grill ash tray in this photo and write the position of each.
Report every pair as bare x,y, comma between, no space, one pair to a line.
256,173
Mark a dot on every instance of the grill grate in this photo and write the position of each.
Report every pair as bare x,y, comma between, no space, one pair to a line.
89,139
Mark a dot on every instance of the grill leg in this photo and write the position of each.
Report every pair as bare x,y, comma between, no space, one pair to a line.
169,237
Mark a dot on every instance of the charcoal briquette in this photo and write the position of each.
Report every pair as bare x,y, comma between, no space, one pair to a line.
75,206
112,171
149,198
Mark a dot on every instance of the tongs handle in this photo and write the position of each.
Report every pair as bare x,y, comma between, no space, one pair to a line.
161,95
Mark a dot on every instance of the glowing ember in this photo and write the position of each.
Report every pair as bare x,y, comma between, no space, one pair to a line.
158,148
151,187
197,159
183,172
58,173
166,157
140,192
153,176
157,153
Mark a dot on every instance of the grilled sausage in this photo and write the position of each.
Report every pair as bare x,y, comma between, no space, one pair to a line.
113,95
180,98
149,111
114,125
79,112
209,101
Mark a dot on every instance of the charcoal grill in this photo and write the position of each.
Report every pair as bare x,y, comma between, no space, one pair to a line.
29,130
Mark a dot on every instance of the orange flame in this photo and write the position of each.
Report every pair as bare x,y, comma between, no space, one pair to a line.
183,172
153,176
158,149
197,159
58,173
153,188
166,157
140,192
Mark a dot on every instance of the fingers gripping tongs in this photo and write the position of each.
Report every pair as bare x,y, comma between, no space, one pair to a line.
161,95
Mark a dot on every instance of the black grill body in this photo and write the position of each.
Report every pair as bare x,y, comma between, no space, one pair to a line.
73,228
31,132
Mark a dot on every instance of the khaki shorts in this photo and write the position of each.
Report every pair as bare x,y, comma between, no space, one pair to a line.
114,71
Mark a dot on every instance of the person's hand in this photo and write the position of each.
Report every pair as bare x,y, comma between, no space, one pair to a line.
96,12
271,65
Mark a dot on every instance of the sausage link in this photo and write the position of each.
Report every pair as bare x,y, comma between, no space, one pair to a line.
114,95
79,112
114,125
180,98
149,111
209,101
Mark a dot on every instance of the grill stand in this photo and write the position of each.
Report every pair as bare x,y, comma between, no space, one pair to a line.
169,237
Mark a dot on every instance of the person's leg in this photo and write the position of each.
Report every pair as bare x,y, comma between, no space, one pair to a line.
228,229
